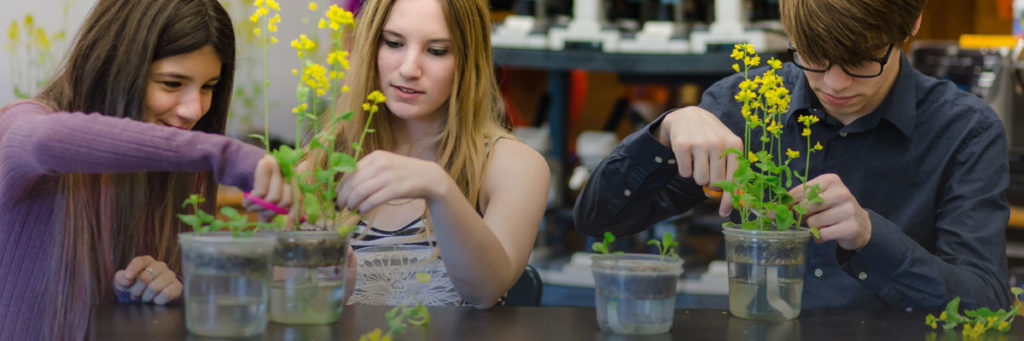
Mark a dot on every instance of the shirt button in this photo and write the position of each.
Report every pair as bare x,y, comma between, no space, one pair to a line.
842,134
671,161
818,273
627,193
862,276
657,159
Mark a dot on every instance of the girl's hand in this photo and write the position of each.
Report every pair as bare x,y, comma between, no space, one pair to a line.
383,176
148,280
268,184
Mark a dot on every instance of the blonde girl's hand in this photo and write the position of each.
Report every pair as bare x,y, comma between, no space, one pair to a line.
383,176
148,280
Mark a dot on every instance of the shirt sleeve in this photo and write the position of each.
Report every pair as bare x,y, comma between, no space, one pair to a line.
634,187
969,259
34,143
638,184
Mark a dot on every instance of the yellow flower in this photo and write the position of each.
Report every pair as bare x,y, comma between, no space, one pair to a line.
312,6
376,97
29,20
775,63
817,146
755,120
273,40
775,128
273,4
934,325
272,23
256,31
942,317
806,132
295,72
745,96
747,84
737,52
257,3
366,106
12,31
736,67
322,24
344,88
808,120
752,61
751,156
375,335
792,153
1003,326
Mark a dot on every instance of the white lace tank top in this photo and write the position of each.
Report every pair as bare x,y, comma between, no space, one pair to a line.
388,262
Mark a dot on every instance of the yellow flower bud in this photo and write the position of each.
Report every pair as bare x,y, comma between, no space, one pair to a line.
792,153
312,6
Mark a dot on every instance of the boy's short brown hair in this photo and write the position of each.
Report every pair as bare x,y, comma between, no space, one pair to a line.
847,32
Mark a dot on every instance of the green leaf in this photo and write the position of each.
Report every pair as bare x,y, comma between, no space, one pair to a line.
347,116
279,221
815,232
302,93
343,163
190,220
799,209
312,207
230,212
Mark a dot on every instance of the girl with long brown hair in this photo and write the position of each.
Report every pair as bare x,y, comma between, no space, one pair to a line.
93,171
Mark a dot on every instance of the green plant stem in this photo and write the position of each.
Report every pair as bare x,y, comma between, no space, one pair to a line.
266,92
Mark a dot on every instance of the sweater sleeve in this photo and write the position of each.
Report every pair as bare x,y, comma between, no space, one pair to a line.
35,142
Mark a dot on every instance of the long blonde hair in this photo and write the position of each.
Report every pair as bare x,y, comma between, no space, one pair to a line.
475,110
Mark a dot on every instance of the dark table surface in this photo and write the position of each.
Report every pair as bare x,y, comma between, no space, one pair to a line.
146,322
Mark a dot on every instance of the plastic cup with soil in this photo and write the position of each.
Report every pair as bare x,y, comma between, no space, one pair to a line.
635,293
308,284
226,282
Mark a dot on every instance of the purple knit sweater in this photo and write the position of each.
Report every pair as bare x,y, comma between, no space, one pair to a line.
37,145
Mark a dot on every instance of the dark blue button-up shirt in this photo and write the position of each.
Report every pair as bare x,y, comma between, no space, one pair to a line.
929,165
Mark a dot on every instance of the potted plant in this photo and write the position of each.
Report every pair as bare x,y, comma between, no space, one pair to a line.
767,250
226,273
308,282
636,293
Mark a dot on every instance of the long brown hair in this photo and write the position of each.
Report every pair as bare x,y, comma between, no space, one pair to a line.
111,218
475,110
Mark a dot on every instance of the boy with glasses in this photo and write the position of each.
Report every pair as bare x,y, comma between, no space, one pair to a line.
913,169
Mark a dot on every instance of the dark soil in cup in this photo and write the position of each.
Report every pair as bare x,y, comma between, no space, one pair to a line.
309,252
227,264
636,286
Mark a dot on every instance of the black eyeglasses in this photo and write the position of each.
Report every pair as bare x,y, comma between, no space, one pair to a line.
867,69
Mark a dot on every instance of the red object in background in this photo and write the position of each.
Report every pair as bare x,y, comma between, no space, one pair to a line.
577,98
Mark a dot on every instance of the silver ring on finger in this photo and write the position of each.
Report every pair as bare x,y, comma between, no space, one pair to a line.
152,273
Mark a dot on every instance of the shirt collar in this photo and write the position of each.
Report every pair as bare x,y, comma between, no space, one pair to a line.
899,106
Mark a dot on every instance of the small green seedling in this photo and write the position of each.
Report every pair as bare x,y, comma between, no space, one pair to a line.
605,245
238,224
666,246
